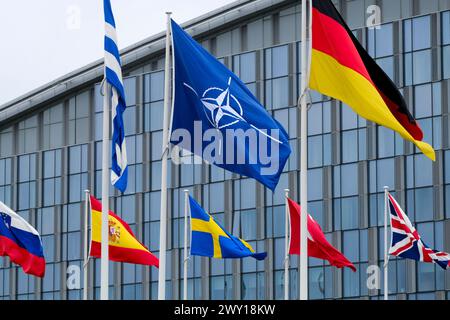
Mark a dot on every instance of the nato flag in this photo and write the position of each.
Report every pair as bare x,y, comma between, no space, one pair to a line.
216,117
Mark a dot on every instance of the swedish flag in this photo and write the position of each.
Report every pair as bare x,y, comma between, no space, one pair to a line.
209,239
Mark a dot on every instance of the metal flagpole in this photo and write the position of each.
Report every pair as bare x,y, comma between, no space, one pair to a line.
104,278
303,268
286,261
163,222
86,246
186,255
386,255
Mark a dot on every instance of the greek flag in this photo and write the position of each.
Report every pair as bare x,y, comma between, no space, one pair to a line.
113,76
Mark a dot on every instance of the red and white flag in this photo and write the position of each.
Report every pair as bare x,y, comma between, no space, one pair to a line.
318,245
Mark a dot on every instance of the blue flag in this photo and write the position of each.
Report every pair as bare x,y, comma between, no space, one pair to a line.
113,75
209,239
217,118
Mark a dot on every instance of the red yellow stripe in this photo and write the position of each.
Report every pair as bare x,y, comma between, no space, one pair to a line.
123,245
333,79
340,45
342,69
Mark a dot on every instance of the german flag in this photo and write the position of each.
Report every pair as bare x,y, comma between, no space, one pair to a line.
123,245
342,69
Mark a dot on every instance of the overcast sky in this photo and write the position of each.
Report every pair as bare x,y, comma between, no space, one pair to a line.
42,40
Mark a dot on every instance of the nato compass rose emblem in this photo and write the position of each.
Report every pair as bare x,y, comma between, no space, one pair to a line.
223,109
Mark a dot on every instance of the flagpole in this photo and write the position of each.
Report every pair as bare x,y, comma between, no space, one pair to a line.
104,277
163,222
303,268
186,255
386,257
286,261
86,246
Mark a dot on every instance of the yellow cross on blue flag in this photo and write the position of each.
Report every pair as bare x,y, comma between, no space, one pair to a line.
209,239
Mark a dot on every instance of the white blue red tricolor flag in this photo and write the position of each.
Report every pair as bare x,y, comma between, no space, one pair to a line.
113,76
21,242
407,243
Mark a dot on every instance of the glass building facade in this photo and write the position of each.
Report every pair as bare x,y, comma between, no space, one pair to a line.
51,154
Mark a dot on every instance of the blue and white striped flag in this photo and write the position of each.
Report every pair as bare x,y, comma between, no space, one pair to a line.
113,75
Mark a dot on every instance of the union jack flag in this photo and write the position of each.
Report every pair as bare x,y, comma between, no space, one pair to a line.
406,241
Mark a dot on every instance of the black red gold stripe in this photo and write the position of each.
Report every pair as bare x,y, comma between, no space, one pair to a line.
337,54
384,84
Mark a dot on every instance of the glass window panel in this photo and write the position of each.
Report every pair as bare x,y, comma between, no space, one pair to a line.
156,115
386,142
426,277
422,66
424,204
279,222
408,72
157,86
349,118
421,33
423,171
24,168
350,146
351,283
282,116
316,211
326,109
217,202
73,246
82,104
350,213
446,27
316,283
156,175
351,245
248,200
327,149
371,42
385,174
156,146
6,141
315,154
280,93
129,118
315,120
423,101
437,99
315,182
437,133
248,225
280,61
248,67
249,286
407,37
384,40
350,182
446,62
130,91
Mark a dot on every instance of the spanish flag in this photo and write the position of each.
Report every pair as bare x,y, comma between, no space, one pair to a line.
123,245
342,69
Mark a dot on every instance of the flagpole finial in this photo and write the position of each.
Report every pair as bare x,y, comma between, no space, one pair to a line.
386,188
